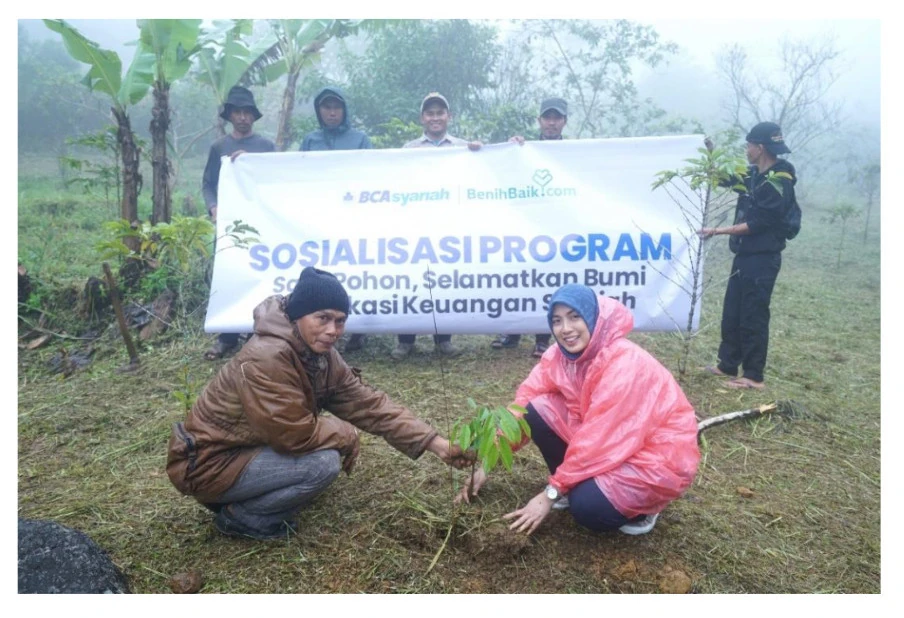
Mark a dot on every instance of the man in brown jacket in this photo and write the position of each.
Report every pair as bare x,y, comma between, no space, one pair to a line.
255,448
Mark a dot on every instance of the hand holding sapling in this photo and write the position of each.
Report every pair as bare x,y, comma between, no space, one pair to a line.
494,433
452,455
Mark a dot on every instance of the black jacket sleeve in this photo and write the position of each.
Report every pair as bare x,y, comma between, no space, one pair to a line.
211,178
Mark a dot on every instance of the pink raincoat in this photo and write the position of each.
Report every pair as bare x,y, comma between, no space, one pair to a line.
626,421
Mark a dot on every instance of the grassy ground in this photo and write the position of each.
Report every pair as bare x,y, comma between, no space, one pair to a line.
789,504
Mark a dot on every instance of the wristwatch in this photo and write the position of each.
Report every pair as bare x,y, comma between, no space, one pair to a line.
552,493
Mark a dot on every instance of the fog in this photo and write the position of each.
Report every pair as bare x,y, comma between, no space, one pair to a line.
691,72
687,83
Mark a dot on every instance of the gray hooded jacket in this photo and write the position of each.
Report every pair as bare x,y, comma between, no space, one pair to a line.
342,137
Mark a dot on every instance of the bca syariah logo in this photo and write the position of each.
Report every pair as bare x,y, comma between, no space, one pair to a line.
365,197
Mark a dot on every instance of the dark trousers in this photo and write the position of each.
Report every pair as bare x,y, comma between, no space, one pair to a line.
436,338
587,504
745,314
229,339
544,339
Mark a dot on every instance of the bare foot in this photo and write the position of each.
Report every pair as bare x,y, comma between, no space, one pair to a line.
745,383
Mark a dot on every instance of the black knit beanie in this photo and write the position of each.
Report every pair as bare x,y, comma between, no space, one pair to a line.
316,290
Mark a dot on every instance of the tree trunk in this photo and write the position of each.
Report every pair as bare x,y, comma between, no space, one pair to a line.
131,177
160,121
24,285
93,300
283,133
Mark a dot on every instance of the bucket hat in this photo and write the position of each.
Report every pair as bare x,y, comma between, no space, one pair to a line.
239,97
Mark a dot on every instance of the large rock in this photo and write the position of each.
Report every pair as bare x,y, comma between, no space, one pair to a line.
57,559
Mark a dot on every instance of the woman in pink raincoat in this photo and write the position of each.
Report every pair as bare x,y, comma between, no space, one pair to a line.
616,431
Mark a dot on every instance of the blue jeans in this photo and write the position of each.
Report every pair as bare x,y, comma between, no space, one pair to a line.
273,487
587,503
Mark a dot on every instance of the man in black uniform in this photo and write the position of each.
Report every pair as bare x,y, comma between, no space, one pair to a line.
757,239
241,111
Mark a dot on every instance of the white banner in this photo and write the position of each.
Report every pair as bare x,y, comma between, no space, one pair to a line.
447,240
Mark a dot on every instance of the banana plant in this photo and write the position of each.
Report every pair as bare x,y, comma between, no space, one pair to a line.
171,43
124,89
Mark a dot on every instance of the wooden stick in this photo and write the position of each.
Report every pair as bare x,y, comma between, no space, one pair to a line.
117,307
733,416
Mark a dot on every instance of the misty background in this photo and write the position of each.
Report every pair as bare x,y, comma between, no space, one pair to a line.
495,72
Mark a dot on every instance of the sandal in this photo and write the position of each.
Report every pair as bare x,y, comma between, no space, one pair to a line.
715,371
539,349
218,350
506,341
745,383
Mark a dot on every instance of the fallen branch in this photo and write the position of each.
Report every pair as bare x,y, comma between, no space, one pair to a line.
781,407
37,328
441,548
120,318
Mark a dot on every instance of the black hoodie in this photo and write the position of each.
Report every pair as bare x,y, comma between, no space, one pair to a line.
764,207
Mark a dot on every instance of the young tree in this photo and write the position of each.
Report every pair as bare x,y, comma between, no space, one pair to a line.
124,90
866,178
703,193
842,212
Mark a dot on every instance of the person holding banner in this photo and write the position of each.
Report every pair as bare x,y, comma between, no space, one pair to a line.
435,117
757,238
241,111
255,447
552,120
614,427
335,133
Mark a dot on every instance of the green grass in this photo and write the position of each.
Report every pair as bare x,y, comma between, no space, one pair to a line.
92,453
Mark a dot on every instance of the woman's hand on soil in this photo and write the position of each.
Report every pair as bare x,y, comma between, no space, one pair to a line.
473,483
530,515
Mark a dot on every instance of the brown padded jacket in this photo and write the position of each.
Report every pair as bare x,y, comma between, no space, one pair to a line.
264,397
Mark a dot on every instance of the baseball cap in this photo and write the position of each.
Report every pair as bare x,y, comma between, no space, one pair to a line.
554,103
434,96
769,135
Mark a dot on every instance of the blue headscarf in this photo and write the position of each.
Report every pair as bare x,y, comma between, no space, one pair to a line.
580,298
